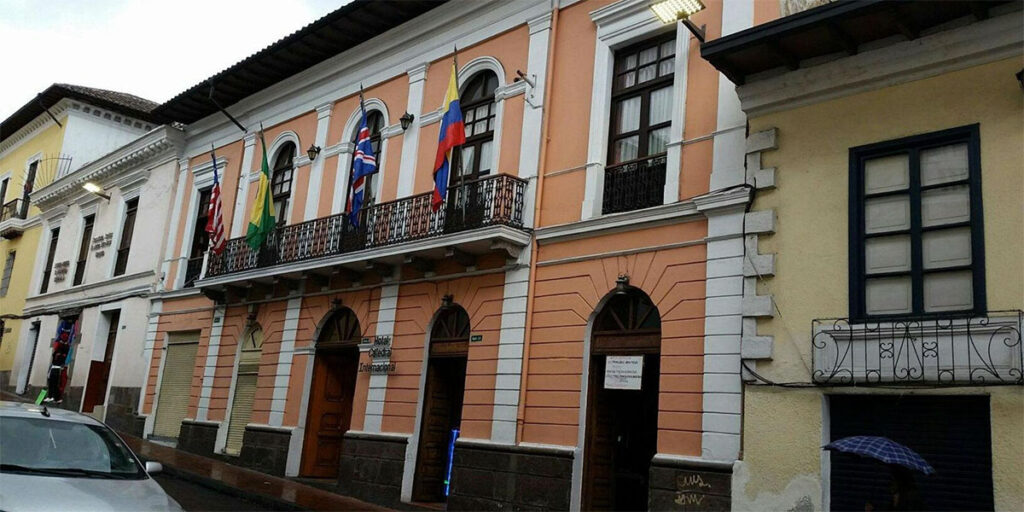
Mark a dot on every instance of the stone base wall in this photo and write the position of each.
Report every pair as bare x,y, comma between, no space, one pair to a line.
197,437
121,411
486,477
73,398
264,449
5,382
371,469
681,486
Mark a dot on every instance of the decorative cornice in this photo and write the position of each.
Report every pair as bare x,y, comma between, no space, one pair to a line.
39,304
41,121
161,141
509,90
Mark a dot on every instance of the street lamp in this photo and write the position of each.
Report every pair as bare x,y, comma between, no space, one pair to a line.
670,11
406,120
95,189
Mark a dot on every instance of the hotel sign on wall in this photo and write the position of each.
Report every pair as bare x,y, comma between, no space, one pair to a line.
380,355
60,271
100,243
623,372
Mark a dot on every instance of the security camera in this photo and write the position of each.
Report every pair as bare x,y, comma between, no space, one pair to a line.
522,76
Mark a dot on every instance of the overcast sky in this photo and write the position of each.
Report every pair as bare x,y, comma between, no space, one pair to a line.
143,47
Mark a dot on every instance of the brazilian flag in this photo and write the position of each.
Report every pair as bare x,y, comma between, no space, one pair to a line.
261,221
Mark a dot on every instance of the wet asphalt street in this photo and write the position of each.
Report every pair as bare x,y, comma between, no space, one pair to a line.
194,497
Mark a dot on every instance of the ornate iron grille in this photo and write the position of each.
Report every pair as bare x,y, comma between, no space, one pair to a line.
634,185
13,209
494,200
951,350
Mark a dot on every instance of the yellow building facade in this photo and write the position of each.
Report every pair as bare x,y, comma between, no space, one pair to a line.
831,346
65,127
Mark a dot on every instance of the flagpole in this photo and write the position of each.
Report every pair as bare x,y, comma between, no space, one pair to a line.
462,176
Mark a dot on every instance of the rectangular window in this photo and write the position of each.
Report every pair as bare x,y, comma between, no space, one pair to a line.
200,239
125,246
83,249
916,244
5,282
642,100
50,255
3,189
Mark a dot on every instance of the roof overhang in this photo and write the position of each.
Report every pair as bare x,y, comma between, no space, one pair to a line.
52,95
343,29
833,31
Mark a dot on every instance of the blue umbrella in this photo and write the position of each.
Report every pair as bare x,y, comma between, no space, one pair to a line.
883,449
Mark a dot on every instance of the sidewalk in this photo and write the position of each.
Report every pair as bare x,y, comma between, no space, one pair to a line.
278,493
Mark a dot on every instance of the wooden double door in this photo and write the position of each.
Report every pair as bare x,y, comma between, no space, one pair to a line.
330,410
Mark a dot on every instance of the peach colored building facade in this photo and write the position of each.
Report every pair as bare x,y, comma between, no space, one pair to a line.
582,285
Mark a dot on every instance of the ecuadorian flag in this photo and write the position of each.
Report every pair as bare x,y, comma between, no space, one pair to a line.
261,221
453,134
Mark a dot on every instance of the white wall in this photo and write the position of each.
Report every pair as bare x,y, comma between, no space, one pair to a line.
88,137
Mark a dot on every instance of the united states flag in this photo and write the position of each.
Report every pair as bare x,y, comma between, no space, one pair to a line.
215,219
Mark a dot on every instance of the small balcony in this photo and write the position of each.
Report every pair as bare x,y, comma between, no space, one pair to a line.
977,350
634,185
13,216
193,269
479,217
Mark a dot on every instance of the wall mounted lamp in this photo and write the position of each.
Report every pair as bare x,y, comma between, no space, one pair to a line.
312,152
95,189
671,11
406,120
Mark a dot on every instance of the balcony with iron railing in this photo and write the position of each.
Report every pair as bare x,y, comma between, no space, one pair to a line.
966,350
634,185
12,216
491,207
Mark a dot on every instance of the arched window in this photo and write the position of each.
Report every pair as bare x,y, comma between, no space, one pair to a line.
281,182
245,387
450,335
629,322
474,159
375,122
342,326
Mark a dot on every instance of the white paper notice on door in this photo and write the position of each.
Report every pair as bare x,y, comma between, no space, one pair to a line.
623,372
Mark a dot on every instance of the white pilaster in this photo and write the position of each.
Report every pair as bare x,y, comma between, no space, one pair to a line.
727,156
340,196
411,141
179,198
674,152
533,110
379,381
316,171
210,368
155,308
510,353
238,214
284,361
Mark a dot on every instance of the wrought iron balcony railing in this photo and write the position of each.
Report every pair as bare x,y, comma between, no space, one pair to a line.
951,350
14,209
634,185
490,201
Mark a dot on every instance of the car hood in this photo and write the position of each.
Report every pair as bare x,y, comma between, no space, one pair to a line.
23,493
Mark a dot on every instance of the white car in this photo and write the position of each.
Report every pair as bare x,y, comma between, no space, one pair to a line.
52,459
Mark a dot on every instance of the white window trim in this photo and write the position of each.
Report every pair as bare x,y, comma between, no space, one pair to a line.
348,147
6,176
115,242
272,151
85,212
619,25
488,63
202,177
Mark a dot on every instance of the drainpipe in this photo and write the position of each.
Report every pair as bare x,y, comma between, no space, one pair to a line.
534,246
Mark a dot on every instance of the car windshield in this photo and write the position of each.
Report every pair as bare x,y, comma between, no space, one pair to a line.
60,448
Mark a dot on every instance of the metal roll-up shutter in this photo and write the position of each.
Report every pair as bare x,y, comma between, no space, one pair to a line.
241,411
245,388
175,385
951,432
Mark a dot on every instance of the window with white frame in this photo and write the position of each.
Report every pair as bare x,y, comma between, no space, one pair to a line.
916,244
375,123
51,254
5,281
83,249
473,160
281,182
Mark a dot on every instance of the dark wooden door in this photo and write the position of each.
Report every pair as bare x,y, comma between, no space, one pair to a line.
330,411
99,371
442,412
622,434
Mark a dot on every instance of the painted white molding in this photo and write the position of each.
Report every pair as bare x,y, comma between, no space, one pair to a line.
727,152
316,173
210,366
426,39
350,131
378,387
238,213
411,137
533,111
674,153
985,41
618,24
510,352
284,361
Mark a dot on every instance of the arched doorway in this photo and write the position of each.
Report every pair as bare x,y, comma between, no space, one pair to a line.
331,394
622,402
245,387
442,402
